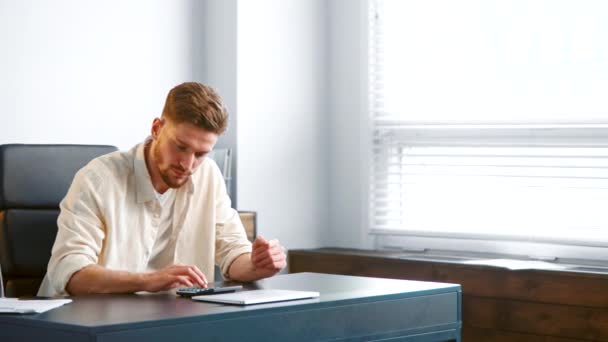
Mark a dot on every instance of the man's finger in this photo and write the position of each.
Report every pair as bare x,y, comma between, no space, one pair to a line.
200,274
201,281
260,239
272,264
266,245
277,250
269,260
191,273
260,253
183,281
194,275
273,243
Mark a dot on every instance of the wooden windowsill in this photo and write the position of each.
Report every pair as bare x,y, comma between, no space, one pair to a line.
462,259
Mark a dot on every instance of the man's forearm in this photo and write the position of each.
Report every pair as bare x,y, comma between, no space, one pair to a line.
266,259
242,269
98,279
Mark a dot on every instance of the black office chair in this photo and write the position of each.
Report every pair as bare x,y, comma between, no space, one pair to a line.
223,159
33,180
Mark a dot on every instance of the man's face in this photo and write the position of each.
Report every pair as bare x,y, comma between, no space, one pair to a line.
180,148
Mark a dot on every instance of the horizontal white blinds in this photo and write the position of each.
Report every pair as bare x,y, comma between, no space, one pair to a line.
556,194
467,170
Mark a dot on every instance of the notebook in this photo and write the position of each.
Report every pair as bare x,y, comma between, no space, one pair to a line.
256,296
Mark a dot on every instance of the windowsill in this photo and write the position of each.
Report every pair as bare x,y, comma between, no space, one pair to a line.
506,262
482,260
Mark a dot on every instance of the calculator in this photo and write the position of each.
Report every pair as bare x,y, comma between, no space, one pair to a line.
198,291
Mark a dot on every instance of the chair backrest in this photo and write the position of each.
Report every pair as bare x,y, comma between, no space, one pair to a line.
33,180
249,219
223,159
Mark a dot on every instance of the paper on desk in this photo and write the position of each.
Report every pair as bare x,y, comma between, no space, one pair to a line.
257,296
14,305
513,264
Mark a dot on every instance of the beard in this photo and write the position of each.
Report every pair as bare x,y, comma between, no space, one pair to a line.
173,181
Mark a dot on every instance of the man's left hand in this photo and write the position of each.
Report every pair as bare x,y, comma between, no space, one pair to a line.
268,257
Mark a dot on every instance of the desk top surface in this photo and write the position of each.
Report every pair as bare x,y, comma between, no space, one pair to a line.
105,311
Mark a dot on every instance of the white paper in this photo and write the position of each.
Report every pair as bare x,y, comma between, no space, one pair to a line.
513,264
14,305
256,296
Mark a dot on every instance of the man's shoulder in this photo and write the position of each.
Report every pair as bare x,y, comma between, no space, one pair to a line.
114,164
208,171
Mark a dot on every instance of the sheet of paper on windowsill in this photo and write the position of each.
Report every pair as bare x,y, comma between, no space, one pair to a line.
513,264
14,305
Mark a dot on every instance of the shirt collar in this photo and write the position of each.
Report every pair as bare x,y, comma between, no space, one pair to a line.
144,188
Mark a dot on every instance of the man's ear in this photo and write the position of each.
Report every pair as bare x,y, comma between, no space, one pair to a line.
157,124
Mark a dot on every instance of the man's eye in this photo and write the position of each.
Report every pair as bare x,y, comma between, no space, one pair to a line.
199,155
181,148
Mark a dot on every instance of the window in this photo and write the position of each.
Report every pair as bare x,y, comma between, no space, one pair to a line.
490,126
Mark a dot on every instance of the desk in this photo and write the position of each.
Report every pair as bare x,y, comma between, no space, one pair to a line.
349,308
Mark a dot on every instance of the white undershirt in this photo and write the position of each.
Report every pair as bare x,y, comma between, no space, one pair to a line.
163,252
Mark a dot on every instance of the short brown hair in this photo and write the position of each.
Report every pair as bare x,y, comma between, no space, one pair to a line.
197,104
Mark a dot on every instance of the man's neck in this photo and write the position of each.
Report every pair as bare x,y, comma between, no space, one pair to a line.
157,182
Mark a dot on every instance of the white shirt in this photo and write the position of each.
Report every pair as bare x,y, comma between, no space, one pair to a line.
110,217
164,245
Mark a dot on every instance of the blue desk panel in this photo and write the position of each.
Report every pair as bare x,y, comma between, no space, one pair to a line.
349,309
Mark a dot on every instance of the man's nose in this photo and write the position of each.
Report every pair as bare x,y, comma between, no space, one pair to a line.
187,162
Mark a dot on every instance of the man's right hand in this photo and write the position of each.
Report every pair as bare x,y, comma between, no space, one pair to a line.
98,279
174,276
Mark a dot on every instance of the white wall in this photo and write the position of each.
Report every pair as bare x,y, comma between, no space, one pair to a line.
214,62
349,148
90,72
96,72
282,118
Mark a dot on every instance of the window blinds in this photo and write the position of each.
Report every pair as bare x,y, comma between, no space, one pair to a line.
489,119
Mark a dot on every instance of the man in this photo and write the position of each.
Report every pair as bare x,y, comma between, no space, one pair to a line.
158,216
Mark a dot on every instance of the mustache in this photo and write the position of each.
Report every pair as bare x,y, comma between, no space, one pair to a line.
181,170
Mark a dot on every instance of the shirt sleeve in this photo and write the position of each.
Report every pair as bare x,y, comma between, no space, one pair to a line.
231,238
80,230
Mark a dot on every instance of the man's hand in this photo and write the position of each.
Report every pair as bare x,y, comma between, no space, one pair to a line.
98,279
174,276
268,257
